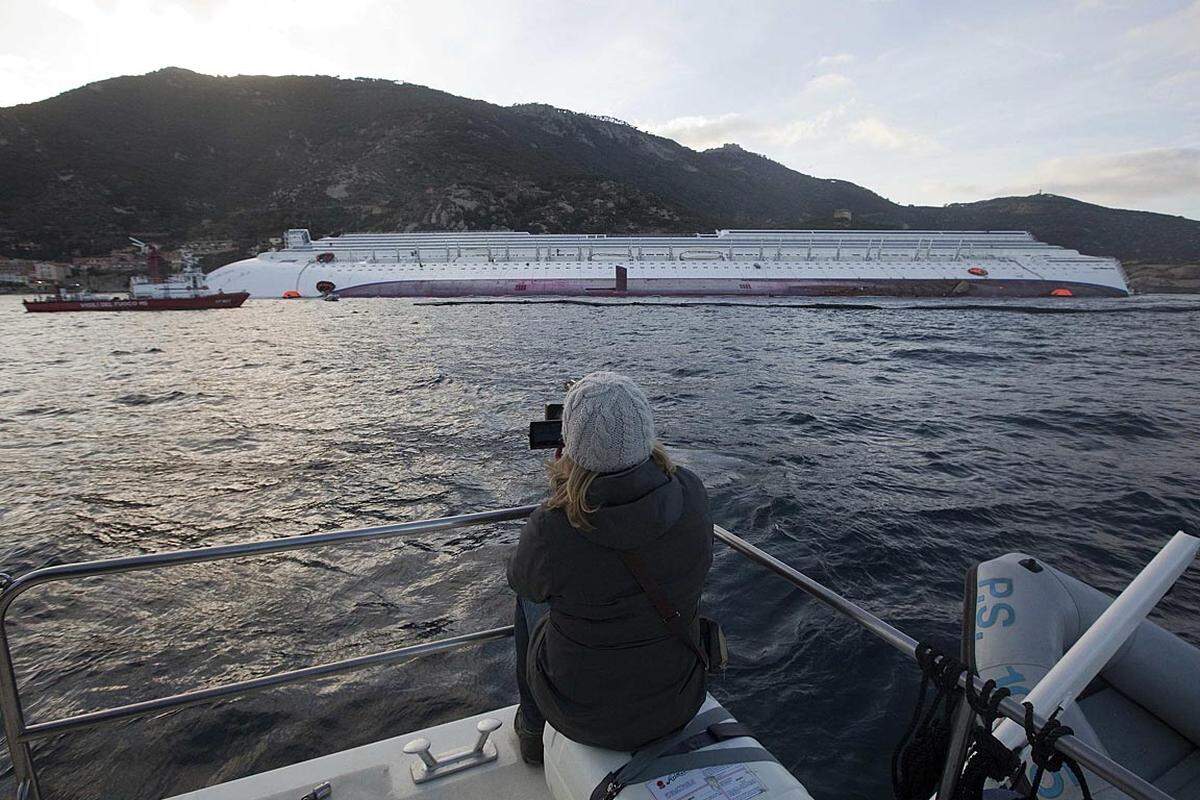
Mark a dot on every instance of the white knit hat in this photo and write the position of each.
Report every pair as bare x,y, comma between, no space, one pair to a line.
607,423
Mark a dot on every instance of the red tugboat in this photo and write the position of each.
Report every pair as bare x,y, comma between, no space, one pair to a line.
182,291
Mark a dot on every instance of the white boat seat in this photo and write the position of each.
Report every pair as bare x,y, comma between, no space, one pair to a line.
574,770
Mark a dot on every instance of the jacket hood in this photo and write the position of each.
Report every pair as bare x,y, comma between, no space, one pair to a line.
636,506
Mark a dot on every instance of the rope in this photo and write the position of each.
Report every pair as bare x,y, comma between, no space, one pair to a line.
987,758
1043,754
917,759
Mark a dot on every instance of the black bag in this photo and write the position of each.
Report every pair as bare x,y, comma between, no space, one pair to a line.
712,641
712,651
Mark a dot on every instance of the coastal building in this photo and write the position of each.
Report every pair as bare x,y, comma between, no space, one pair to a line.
51,271
204,247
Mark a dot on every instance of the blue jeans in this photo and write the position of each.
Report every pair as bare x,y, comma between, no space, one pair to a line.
525,619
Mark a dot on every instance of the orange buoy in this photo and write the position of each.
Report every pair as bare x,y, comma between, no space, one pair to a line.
1062,293
980,271
291,294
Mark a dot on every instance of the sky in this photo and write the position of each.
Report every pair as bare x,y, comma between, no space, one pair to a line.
924,102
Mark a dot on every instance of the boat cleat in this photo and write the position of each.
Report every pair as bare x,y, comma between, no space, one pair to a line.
430,766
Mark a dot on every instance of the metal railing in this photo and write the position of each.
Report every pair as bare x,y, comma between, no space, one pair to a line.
21,735
730,254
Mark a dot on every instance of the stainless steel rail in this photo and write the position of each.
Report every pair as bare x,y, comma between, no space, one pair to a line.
78,722
20,735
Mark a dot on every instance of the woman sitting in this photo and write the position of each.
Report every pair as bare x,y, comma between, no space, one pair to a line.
594,656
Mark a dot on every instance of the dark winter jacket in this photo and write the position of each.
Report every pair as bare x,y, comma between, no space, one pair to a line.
603,667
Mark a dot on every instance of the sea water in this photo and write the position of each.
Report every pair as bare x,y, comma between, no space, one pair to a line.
882,447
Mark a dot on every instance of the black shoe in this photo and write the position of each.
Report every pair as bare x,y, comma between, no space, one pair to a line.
529,739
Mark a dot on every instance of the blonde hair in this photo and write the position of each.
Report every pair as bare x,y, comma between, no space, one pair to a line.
569,485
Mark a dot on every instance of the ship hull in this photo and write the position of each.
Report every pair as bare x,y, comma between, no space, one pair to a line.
140,304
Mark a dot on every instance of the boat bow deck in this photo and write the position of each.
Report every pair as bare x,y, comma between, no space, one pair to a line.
381,771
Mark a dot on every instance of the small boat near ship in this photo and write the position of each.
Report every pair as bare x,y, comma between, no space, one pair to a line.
186,290
1148,747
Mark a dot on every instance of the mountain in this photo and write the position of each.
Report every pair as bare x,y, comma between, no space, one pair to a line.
177,155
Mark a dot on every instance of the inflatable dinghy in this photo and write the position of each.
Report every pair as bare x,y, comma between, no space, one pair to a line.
1143,710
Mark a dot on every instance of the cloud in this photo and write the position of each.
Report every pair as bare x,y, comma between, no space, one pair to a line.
829,82
1172,34
1121,177
805,129
835,60
701,132
1181,84
14,67
1166,179
779,129
876,133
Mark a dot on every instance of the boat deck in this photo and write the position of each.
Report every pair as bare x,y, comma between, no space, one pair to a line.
380,771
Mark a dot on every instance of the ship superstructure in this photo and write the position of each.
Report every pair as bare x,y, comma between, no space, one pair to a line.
727,262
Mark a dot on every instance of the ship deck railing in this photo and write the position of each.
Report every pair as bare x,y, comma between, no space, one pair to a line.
876,250
21,734
506,246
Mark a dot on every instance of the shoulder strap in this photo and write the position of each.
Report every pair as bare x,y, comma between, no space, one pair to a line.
669,615
669,744
717,732
683,750
699,759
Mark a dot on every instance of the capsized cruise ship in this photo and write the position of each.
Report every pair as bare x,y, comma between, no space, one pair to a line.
783,263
